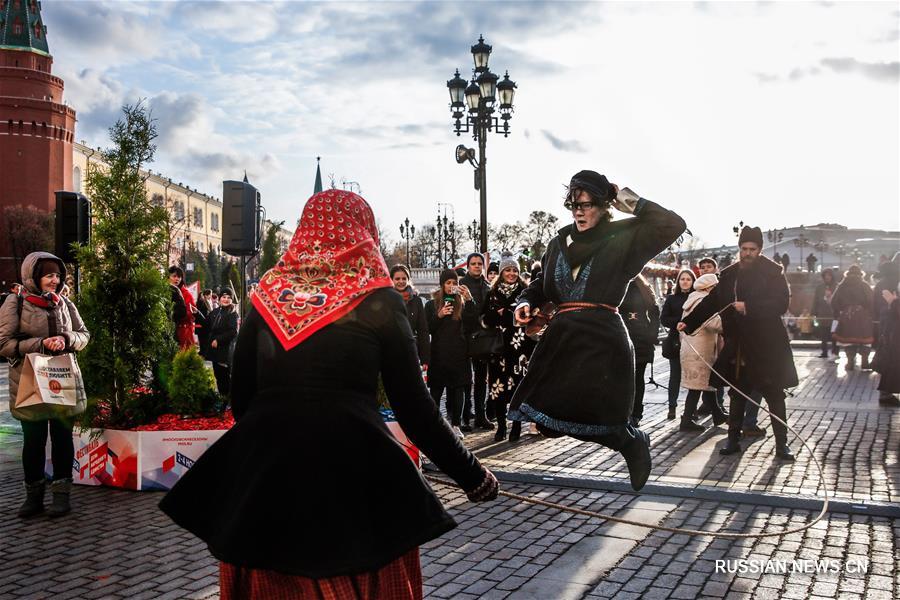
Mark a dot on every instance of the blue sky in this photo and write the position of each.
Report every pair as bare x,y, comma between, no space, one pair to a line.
772,113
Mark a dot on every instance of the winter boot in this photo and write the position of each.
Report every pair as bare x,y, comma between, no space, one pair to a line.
687,421
60,490
783,451
851,361
671,414
865,362
34,499
637,456
733,446
888,399
515,431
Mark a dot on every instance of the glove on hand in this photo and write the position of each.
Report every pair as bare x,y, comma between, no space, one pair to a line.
487,489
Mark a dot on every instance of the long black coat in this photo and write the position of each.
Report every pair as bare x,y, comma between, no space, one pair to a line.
852,305
888,357
450,364
507,370
310,481
415,309
671,313
223,328
580,379
641,317
757,348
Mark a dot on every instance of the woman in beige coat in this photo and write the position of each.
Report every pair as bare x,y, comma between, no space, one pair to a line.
39,320
694,371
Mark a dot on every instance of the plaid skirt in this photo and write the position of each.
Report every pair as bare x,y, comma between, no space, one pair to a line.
401,579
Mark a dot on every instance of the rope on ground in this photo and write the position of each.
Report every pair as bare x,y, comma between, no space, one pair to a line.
693,532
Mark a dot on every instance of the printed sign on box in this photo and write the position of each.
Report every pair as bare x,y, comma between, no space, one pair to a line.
135,460
167,455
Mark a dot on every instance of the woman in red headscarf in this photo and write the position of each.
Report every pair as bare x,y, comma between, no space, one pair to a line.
309,495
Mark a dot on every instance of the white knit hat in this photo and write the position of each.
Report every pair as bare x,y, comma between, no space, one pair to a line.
705,282
507,261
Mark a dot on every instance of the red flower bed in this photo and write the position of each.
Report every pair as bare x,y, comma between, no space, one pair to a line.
171,422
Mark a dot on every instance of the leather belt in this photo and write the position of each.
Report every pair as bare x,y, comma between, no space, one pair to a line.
576,306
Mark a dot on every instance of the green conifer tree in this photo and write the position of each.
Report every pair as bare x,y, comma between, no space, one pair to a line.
271,252
125,299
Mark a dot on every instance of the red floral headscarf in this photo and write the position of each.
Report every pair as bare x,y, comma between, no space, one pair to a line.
333,261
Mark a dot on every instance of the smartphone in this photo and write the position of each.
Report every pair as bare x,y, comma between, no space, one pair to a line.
454,289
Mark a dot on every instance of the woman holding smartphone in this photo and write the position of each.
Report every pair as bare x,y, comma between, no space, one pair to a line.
449,306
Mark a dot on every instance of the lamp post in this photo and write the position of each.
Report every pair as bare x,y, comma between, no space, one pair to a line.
840,250
479,97
775,236
473,234
407,231
801,242
822,246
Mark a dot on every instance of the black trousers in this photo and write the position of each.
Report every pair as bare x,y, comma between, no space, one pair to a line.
480,374
774,401
62,448
455,396
223,378
638,410
825,337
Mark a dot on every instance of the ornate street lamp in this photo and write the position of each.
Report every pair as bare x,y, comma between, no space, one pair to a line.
801,242
775,236
407,231
480,98
473,234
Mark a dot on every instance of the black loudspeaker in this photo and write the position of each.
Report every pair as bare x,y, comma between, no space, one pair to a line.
241,222
73,223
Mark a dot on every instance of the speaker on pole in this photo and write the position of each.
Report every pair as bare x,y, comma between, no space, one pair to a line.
73,223
241,219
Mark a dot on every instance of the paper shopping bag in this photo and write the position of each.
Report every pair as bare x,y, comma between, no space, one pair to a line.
50,387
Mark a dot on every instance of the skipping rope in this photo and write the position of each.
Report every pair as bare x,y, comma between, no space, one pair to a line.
693,532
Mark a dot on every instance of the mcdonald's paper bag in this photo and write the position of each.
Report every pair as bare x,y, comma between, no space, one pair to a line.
50,387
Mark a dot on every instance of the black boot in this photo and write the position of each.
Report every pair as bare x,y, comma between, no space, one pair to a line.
516,431
500,435
865,362
60,490
888,399
733,446
671,414
637,457
34,499
687,418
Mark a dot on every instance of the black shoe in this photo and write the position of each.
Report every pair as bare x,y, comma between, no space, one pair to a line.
484,425
888,400
671,414
500,435
515,432
466,427
754,431
60,505
34,500
823,355
864,366
783,451
703,411
637,457
690,426
732,447
719,418
635,421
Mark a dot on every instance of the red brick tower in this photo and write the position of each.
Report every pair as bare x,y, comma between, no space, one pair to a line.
36,128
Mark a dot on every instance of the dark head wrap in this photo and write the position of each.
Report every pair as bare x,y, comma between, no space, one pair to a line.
595,184
447,275
751,234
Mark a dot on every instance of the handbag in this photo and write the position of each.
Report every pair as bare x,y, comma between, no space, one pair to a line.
50,387
484,343
671,346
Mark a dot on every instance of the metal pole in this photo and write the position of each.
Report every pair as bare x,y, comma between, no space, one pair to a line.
482,166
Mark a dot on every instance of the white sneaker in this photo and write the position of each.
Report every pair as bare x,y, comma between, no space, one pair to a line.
458,432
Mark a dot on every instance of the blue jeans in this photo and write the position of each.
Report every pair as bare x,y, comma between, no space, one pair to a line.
674,381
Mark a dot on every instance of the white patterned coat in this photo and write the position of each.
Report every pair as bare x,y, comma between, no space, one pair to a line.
694,373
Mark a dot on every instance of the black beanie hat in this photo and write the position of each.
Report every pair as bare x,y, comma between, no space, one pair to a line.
46,266
226,291
494,267
595,184
447,275
751,234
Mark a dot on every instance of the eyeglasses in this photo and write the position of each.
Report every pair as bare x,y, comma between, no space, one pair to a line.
582,206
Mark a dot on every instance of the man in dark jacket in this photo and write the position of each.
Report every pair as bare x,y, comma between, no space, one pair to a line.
478,286
823,313
751,296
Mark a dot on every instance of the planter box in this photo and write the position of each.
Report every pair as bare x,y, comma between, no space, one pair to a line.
136,460
155,460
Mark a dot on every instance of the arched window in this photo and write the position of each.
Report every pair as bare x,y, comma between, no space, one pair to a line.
76,179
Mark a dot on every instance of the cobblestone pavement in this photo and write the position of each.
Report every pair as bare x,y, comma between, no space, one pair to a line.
116,544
